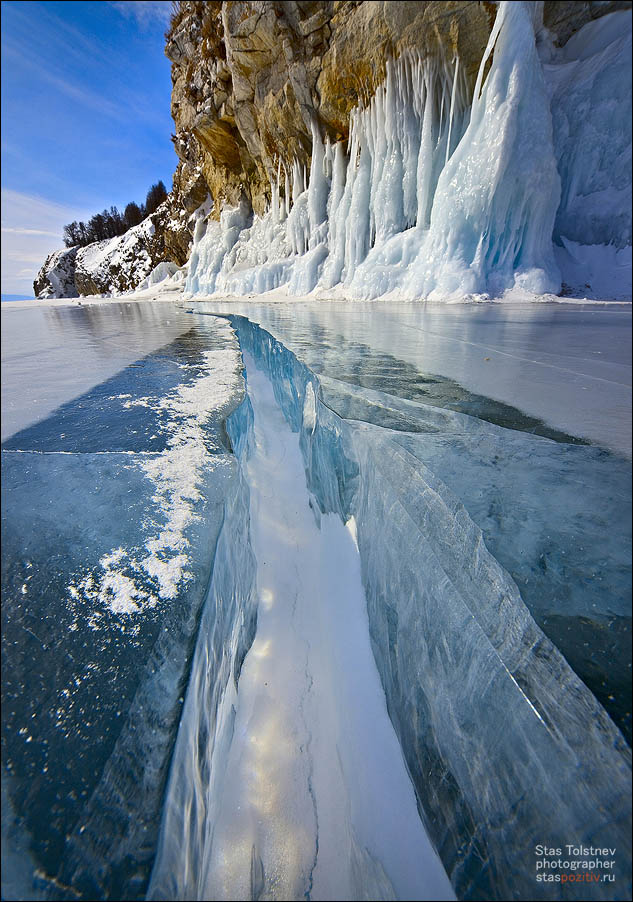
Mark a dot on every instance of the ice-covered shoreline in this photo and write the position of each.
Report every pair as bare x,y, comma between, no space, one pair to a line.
280,296
517,191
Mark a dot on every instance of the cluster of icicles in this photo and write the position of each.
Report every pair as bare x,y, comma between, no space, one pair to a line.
437,193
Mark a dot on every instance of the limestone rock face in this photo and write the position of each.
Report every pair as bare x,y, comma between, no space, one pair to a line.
250,77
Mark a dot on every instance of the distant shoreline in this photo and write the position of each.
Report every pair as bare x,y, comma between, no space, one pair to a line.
277,296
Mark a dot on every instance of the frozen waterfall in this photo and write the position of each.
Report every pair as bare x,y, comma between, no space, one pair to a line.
444,191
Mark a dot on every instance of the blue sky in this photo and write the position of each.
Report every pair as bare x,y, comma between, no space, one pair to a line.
85,119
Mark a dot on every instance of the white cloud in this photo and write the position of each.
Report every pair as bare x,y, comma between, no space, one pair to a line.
31,229
28,231
145,12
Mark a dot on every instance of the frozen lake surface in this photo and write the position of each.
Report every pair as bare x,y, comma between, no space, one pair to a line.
181,592
566,364
53,354
312,796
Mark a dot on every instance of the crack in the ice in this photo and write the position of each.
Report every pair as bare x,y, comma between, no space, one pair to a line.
310,682
258,875
296,598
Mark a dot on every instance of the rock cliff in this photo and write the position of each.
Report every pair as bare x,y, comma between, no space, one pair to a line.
250,77
56,278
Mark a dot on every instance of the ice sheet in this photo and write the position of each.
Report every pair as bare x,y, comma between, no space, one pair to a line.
112,507
485,706
311,797
484,538
53,354
568,365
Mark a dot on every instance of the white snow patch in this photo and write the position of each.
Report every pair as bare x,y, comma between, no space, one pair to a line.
176,474
120,593
169,573
114,557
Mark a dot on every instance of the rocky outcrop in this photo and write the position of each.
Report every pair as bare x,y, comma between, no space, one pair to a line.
56,278
119,265
250,78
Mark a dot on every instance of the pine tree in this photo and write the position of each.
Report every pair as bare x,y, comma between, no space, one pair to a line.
111,223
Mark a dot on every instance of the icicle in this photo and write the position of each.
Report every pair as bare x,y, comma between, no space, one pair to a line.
410,146
274,199
425,157
287,189
492,40
452,112
439,131
494,207
318,187
297,187
281,213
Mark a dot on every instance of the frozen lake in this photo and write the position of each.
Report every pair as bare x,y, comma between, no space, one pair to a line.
566,364
53,354
159,566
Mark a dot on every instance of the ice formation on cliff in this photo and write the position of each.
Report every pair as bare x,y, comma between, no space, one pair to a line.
440,194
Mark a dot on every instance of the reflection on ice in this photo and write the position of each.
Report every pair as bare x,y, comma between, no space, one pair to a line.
53,354
566,365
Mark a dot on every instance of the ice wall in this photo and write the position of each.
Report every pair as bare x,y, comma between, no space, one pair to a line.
227,629
589,83
484,705
589,80
493,213
442,192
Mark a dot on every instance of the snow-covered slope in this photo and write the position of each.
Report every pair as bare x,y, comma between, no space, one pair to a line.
115,265
119,265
